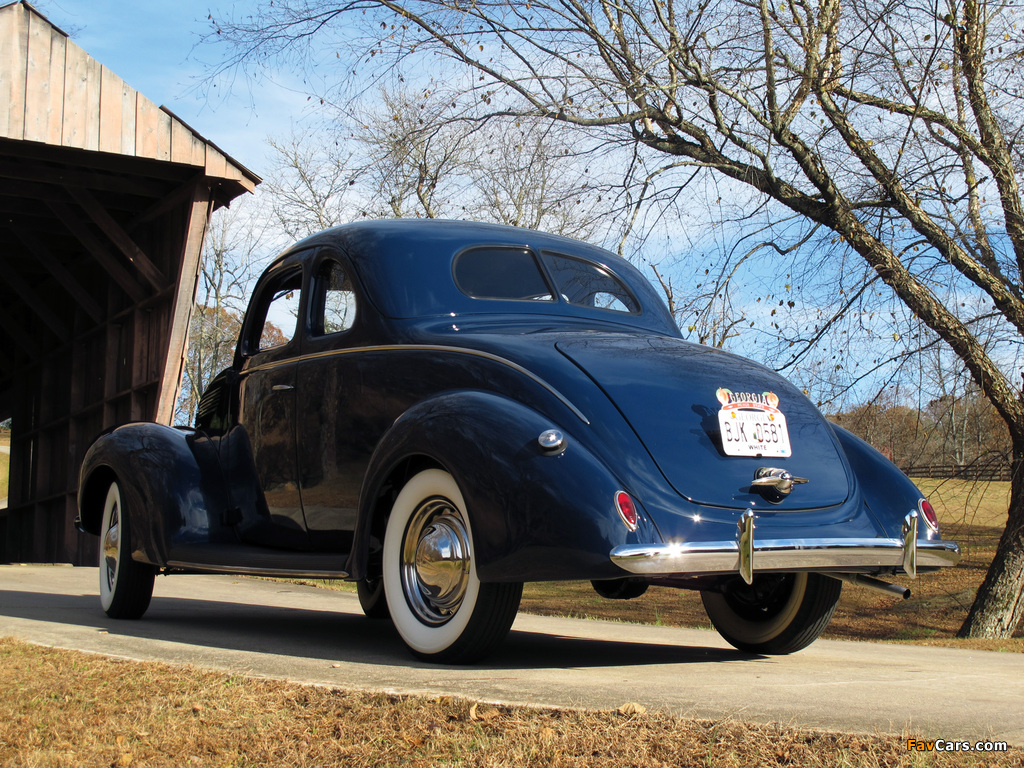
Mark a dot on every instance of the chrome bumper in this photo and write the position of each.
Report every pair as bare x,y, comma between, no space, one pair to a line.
745,556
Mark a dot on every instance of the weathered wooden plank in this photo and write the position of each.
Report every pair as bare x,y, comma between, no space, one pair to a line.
81,99
111,111
44,82
181,143
163,135
216,163
198,151
14,35
147,125
102,218
184,301
93,78
129,116
55,116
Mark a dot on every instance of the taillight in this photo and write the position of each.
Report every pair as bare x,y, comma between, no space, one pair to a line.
627,510
925,510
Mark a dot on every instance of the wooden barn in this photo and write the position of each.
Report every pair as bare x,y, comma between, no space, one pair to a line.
104,202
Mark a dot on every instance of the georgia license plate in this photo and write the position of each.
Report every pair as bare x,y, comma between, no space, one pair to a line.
754,433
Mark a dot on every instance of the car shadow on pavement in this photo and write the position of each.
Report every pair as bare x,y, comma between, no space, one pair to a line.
334,635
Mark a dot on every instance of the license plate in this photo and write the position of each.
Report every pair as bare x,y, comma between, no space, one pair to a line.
754,433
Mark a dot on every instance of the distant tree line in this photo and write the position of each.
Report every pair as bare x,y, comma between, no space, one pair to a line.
949,436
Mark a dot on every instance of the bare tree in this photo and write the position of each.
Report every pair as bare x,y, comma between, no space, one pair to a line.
415,155
893,125
310,183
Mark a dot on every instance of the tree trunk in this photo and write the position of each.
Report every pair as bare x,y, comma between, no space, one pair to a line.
999,605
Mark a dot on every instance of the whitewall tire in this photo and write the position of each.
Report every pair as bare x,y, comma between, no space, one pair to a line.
437,603
126,586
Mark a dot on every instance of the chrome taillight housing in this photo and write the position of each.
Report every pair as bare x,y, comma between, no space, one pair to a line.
627,510
926,512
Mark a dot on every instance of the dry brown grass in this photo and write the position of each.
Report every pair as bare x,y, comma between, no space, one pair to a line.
65,708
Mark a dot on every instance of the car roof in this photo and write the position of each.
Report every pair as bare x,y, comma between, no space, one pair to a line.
406,266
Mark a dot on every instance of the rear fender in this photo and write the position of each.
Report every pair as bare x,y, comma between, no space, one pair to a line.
169,480
888,493
536,515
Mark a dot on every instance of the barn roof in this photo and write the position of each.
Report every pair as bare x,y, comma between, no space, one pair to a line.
55,94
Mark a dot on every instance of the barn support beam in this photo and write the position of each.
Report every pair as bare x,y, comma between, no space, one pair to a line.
102,218
89,241
184,301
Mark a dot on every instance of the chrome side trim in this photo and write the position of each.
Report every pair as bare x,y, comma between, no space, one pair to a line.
710,557
241,570
428,348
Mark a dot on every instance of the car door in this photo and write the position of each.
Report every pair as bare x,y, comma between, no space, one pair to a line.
267,412
334,438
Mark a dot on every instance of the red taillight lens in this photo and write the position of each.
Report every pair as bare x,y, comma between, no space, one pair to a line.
928,513
627,510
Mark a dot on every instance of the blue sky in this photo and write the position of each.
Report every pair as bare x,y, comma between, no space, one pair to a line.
154,46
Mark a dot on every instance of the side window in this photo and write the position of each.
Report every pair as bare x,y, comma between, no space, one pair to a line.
334,305
501,273
589,285
281,312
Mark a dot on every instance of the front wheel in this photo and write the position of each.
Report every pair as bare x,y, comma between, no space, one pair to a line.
776,614
126,586
437,603
371,597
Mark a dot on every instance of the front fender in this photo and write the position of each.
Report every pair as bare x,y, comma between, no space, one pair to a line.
167,484
536,515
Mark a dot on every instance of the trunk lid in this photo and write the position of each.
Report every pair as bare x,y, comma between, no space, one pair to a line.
681,398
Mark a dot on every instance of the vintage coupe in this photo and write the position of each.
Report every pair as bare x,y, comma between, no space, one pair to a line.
441,411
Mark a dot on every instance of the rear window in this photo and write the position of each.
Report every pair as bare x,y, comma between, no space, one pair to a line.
501,273
587,284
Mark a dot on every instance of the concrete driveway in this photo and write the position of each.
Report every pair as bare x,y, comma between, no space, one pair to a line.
303,634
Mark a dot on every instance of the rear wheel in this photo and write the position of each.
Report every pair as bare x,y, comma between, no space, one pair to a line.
437,602
776,614
126,586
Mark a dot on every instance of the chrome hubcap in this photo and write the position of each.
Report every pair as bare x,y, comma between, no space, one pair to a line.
435,561
111,545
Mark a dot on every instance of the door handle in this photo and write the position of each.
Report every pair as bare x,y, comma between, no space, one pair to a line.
282,388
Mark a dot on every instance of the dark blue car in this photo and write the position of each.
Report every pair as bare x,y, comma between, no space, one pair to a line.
441,411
